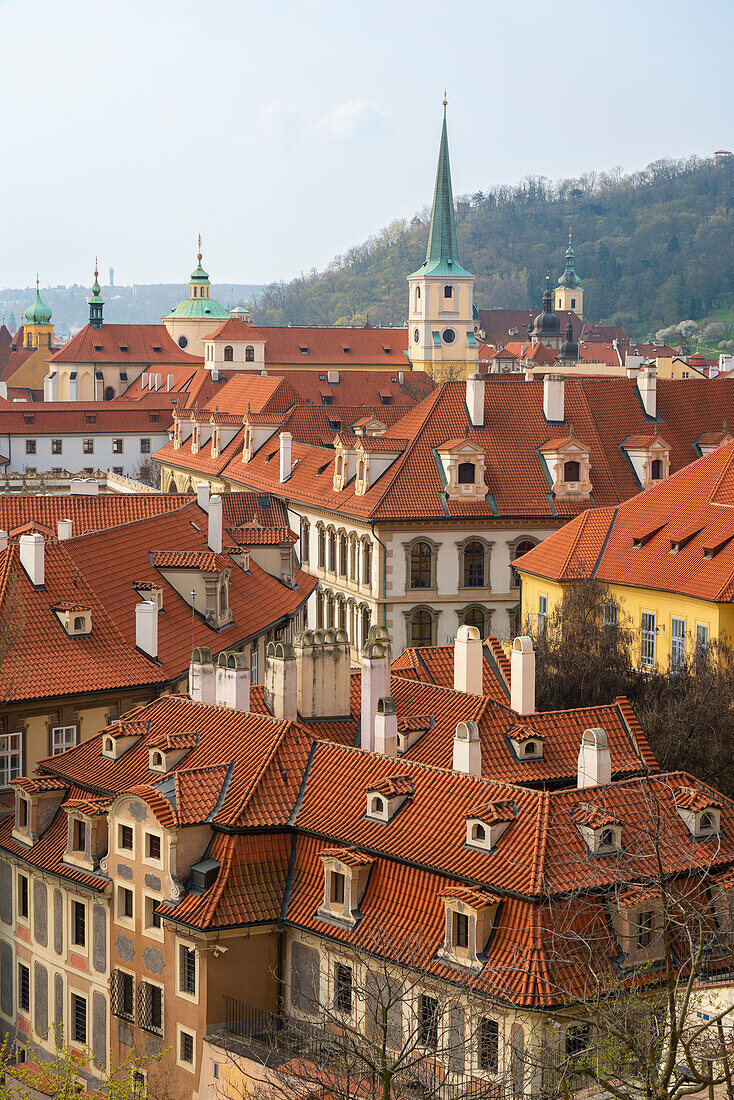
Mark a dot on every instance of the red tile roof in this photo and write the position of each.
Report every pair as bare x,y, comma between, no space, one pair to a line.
87,513
435,665
148,344
204,560
261,536
73,418
323,346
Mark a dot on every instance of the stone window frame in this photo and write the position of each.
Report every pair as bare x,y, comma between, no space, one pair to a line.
121,889
331,550
487,545
23,1010
150,930
321,549
192,998
353,542
408,548
151,861
512,546
190,1066
342,544
69,1032
79,899
126,853
365,566
408,615
132,974
305,540
22,918
487,613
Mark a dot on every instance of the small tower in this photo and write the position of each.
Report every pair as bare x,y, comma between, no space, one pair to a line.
199,284
569,351
569,292
96,302
38,332
441,309
546,327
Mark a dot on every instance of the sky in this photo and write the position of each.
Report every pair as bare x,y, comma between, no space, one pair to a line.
286,132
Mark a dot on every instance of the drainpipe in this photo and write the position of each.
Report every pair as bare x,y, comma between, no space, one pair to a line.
384,572
279,1007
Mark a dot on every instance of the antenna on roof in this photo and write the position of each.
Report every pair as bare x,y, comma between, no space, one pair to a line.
193,616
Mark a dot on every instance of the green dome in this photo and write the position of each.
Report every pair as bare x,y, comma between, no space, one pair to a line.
38,313
199,276
200,308
569,278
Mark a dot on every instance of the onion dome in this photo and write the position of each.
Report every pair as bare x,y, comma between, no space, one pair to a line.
569,348
569,278
96,302
546,323
38,313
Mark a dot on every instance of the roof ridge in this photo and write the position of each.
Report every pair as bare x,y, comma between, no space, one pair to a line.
286,727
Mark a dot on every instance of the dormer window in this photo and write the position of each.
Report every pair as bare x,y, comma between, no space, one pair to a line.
78,836
463,465
469,917
656,469
700,810
345,880
601,831
384,801
76,621
649,456
22,812
478,834
568,467
571,471
108,747
156,760
377,807
485,827
467,473
526,741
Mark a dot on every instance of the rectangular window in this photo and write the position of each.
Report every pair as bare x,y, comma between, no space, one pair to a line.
187,970
78,1018
152,919
145,446
152,846
343,988
117,446
428,1021
22,813
610,614
122,994
10,757
489,1034
542,613
56,446
647,640
186,1048
30,446
702,637
78,923
117,470
63,738
24,988
460,925
253,665
677,644
336,890
124,902
79,836
125,838
644,928
150,1008
88,446
23,896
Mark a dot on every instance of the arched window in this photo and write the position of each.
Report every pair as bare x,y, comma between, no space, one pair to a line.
79,623
475,617
377,806
467,473
656,470
109,744
360,470
249,354
332,550
342,615
223,598
329,611
305,539
474,565
448,292
156,760
342,555
420,565
421,628
571,471
523,547
607,838
320,610
229,354
365,624
366,562
530,748
322,548
109,393
478,832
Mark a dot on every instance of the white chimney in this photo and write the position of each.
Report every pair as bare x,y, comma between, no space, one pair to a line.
323,664
4,390
144,379
553,397
201,676
522,676
65,529
375,681
475,399
281,681
3,540
386,728
146,627
647,386
233,681
171,382
468,661
32,555
467,749
202,495
595,761
214,540
285,455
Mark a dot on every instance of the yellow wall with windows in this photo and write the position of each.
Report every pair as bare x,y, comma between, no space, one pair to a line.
665,606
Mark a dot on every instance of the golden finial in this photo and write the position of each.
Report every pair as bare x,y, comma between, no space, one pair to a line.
445,100
96,268
37,282
569,234
199,253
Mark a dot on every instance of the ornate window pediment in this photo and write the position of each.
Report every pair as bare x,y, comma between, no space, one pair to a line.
650,458
469,918
568,465
346,871
463,466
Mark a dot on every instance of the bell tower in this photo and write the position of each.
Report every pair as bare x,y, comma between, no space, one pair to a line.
96,302
441,305
569,292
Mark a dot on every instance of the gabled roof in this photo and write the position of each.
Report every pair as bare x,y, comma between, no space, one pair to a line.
149,344
315,347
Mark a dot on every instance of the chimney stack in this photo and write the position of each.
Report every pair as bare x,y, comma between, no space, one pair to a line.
171,382
202,495
467,749
201,676
3,540
285,455
522,676
233,681
647,385
553,397
32,558
375,681
146,627
386,728
468,661
595,761
281,681
475,399
323,663
83,487
214,540
65,528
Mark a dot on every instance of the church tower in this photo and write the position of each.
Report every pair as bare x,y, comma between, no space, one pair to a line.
441,309
96,302
569,292
38,332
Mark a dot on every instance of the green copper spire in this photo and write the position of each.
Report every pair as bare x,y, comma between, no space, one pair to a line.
38,313
442,254
96,302
569,278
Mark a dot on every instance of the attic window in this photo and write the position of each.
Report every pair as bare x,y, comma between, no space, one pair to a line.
156,760
123,347
271,455
263,502
97,347
29,419
644,536
327,399
303,350
154,417
346,349
91,418
710,552
156,347
336,425
108,747
386,350
322,468
385,399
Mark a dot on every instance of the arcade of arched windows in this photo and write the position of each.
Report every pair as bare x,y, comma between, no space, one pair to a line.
334,611
339,554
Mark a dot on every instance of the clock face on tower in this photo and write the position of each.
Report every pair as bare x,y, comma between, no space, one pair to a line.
448,336
416,335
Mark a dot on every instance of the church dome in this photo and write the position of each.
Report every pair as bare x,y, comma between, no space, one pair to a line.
38,313
546,323
569,348
569,278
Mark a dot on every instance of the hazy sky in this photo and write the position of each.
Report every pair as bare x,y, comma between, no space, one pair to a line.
286,131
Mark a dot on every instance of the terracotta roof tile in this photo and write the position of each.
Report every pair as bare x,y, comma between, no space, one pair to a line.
149,344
